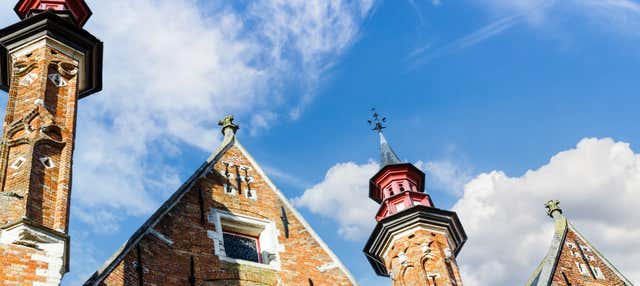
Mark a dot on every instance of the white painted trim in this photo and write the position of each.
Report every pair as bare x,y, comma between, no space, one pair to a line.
249,263
411,230
20,160
29,47
160,236
48,166
266,231
295,213
53,250
328,266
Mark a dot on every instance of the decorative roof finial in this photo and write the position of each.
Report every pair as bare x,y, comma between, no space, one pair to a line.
227,122
387,156
377,121
553,206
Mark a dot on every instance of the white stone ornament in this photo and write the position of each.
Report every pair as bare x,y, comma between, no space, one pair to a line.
57,80
28,79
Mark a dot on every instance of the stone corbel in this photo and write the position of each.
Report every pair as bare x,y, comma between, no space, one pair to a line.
31,239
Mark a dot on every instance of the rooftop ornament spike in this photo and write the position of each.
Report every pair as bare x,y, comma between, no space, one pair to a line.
553,206
387,156
227,122
77,9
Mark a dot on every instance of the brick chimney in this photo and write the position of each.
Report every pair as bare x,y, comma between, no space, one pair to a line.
47,63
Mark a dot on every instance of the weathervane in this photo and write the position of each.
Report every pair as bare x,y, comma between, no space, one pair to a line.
377,122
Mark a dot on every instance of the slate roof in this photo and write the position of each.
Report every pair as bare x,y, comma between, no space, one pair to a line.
387,156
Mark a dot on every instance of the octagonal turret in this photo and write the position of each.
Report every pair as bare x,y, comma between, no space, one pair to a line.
394,179
77,9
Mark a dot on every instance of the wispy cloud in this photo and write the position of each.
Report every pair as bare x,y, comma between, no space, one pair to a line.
286,177
172,69
423,55
621,16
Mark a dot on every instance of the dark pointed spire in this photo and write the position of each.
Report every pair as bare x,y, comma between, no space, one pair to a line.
387,156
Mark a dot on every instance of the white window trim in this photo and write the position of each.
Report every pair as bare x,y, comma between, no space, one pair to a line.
43,161
582,268
229,189
598,273
268,237
18,163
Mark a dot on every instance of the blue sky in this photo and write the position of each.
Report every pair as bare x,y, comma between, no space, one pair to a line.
478,92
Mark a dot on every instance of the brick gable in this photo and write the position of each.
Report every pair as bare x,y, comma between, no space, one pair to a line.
580,264
188,232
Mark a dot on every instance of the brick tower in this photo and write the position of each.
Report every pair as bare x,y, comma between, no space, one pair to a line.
414,242
47,63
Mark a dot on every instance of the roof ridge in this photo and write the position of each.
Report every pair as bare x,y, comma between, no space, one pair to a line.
544,276
124,249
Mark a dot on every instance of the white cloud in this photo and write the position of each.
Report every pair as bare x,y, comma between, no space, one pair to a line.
343,196
509,233
508,229
172,69
446,175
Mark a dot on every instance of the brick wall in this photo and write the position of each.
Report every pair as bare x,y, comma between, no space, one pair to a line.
571,254
421,258
18,266
303,260
39,123
35,165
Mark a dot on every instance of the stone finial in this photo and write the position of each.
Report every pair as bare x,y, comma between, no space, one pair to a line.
227,122
553,206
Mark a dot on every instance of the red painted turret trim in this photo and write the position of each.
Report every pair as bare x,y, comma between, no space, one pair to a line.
388,178
401,202
78,8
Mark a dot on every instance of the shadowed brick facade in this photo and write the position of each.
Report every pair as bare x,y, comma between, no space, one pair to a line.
181,243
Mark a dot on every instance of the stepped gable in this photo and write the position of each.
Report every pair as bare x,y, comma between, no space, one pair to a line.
572,259
227,225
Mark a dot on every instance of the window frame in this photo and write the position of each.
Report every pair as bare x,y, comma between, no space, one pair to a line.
254,238
265,230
